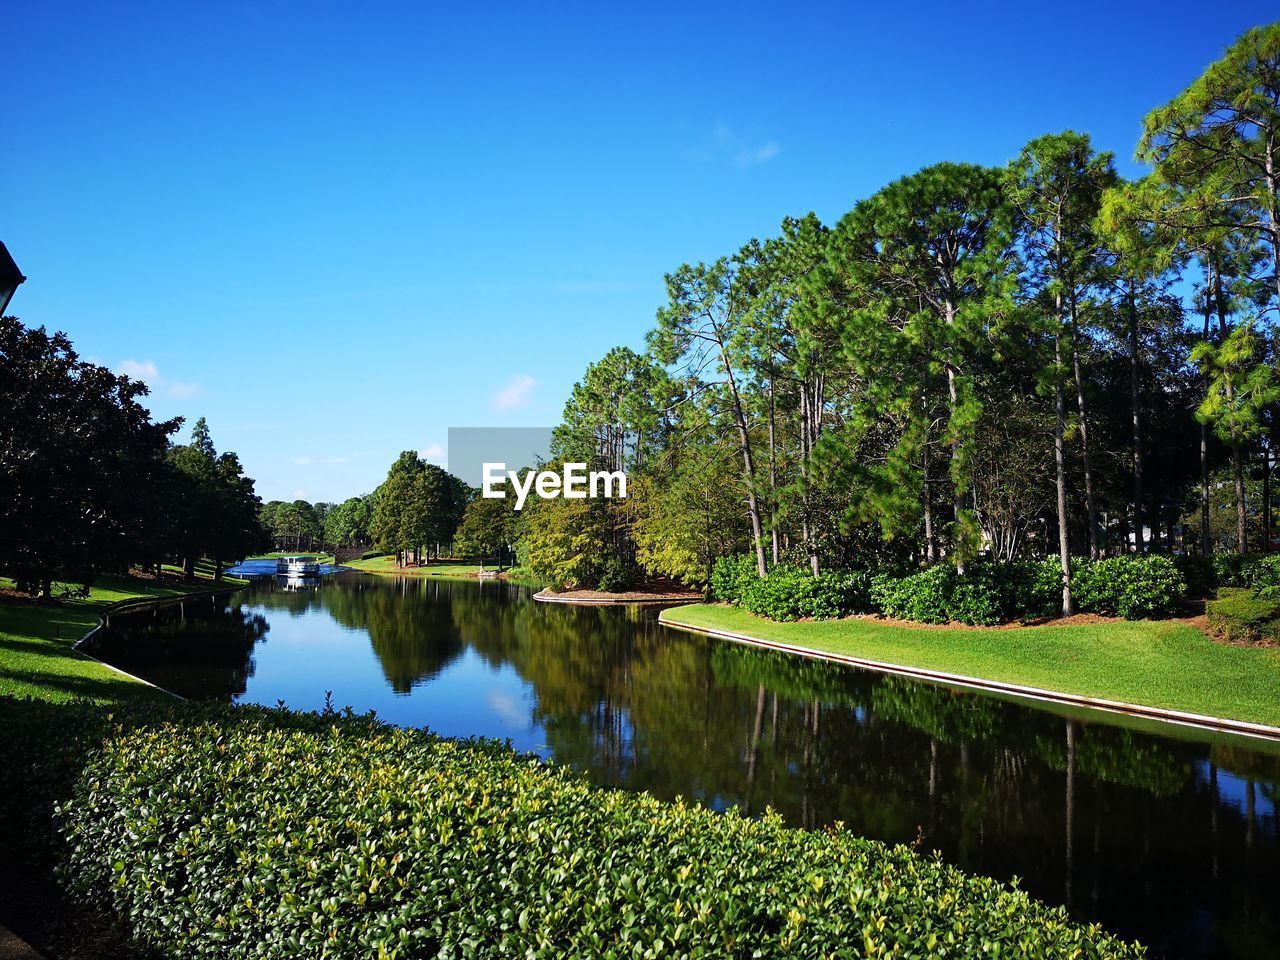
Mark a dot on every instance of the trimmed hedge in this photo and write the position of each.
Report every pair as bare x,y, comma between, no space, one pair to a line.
1133,587
789,593
253,833
730,575
1241,614
1247,569
988,593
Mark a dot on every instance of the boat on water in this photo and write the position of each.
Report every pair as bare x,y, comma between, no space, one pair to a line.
300,566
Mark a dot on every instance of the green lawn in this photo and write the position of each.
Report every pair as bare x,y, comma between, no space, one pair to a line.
1160,664
277,554
36,658
387,564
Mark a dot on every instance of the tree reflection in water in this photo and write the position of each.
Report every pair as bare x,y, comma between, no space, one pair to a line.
199,649
1167,835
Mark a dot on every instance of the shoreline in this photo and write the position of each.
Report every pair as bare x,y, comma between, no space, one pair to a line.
45,642
1246,728
139,603
601,598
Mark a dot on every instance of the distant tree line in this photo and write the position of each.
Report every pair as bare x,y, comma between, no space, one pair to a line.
414,513
1039,359
301,525
89,483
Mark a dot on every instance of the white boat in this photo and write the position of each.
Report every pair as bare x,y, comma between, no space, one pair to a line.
297,567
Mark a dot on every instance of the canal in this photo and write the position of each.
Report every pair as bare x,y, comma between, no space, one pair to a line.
1159,833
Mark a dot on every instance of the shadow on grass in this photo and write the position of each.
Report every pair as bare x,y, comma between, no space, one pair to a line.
44,748
106,690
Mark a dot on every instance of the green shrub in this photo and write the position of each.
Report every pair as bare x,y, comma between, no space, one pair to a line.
988,593
1263,571
252,833
1132,586
1247,569
976,596
790,593
730,575
1198,573
1241,614
617,574
851,590
921,597
1038,591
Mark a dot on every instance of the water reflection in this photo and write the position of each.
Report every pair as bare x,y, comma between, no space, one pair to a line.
1172,839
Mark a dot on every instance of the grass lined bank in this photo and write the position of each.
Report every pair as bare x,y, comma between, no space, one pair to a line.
1165,664
36,659
445,568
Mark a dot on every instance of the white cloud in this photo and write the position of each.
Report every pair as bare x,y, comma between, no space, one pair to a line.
517,393
149,373
725,146
761,154
435,453
139,370
180,391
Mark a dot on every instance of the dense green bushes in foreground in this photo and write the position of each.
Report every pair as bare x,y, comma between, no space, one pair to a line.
244,832
1247,607
988,593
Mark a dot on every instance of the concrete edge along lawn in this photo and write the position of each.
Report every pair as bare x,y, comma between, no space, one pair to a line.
1159,667
36,640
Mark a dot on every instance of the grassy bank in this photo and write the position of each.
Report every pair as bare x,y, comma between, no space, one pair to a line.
36,658
277,554
444,568
1155,663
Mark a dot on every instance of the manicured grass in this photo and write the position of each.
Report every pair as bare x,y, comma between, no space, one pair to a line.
323,557
1154,663
36,658
387,564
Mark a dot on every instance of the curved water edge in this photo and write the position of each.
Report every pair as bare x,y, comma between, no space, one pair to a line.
1164,834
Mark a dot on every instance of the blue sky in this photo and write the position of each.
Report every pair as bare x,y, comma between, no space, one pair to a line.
338,230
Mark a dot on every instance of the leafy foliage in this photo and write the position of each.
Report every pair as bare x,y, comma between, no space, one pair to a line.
730,576
790,593
1197,572
987,593
419,505
566,542
488,527
216,512
1132,587
1241,614
1259,570
275,834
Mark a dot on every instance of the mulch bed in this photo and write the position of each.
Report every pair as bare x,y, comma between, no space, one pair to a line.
34,907
651,591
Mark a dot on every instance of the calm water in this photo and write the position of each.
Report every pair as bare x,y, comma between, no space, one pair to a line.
1160,834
